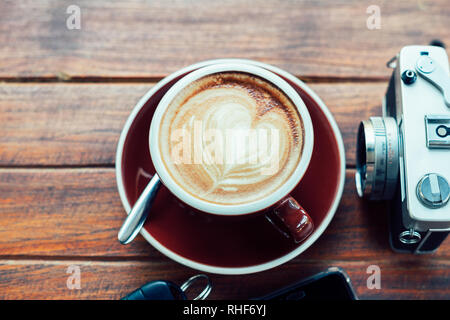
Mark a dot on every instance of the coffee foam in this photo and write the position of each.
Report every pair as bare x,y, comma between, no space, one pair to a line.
210,138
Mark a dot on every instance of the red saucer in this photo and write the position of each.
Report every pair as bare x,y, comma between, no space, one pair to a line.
230,242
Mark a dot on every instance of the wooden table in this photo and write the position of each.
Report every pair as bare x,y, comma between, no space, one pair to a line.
65,95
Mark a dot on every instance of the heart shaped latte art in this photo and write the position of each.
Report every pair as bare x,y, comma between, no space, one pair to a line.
231,138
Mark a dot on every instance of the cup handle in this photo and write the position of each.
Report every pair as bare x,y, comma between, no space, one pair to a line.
291,219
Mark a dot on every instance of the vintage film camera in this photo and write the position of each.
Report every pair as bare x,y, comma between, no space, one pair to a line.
404,156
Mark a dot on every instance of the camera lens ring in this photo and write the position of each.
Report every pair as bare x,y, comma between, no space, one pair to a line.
377,158
365,146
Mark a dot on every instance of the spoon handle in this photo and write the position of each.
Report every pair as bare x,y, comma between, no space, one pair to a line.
135,220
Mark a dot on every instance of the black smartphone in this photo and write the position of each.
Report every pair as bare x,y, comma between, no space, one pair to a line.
332,284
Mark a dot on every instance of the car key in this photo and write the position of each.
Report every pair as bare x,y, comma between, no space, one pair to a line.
167,290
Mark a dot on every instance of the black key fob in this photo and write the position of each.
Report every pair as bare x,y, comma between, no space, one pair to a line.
157,290
167,290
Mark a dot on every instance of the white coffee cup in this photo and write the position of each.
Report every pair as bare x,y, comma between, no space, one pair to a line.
234,209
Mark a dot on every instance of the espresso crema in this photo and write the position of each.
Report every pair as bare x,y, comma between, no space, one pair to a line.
231,138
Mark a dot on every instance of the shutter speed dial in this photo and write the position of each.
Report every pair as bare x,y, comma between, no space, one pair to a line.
433,190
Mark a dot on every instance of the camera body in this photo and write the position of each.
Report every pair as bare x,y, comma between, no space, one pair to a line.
404,156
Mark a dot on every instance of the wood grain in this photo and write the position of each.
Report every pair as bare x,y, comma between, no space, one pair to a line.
57,124
79,124
150,39
66,94
77,212
404,278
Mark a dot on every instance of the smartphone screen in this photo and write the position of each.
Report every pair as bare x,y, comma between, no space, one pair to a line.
329,285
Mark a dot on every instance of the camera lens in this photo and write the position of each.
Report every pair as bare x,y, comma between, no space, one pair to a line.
377,158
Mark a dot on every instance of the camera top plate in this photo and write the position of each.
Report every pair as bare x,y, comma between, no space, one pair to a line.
415,102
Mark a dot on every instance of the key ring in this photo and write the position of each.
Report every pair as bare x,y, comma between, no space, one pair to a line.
205,293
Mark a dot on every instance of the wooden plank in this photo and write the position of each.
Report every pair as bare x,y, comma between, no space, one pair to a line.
151,39
57,124
68,212
34,279
77,212
79,124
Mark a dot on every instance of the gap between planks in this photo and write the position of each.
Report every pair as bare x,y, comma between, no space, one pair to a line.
9,168
137,80
98,260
